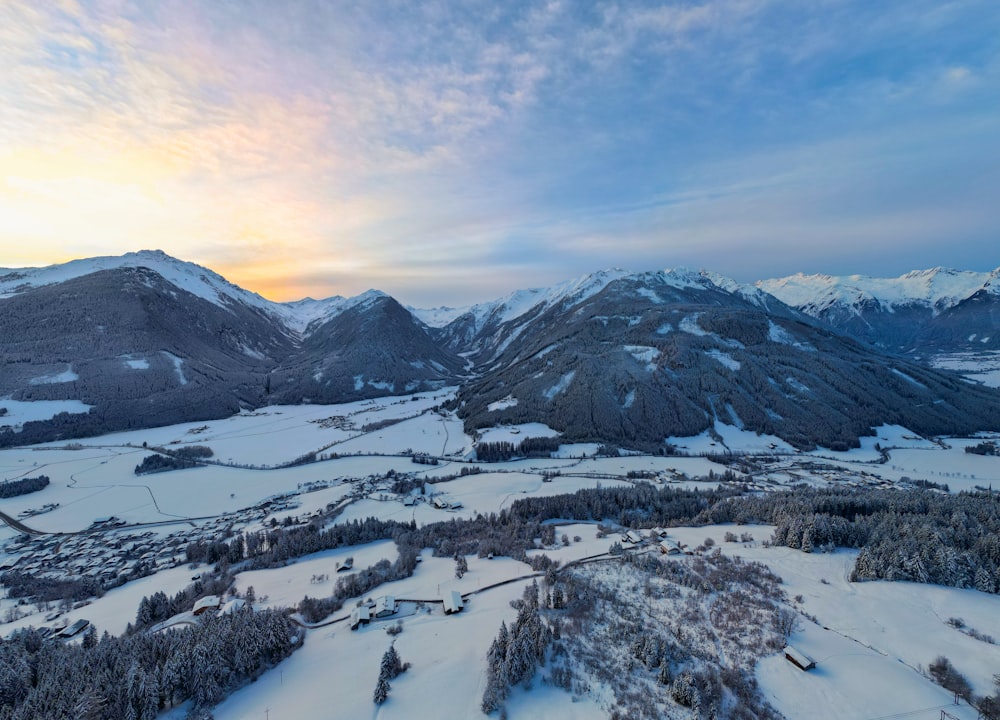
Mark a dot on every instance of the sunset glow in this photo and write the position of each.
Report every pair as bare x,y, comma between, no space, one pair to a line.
447,153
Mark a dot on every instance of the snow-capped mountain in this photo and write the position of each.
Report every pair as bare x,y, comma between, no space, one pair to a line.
146,339
654,355
921,312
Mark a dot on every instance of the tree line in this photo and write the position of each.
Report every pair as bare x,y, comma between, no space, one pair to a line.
13,488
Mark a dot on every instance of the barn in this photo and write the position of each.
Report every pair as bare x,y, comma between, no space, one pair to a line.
360,616
209,602
798,658
384,606
453,602
74,629
669,547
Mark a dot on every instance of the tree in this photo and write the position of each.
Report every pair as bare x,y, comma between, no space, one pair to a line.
945,675
461,566
381,693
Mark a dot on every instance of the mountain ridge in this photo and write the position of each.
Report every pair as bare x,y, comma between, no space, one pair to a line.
618,356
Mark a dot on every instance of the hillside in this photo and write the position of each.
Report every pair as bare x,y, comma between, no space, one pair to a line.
921,312
630,358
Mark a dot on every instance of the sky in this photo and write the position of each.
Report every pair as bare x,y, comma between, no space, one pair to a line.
450,152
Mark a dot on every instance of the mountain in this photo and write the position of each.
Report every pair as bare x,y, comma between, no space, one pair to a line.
632,358
919,313
146,339
370,348
636,358
138,348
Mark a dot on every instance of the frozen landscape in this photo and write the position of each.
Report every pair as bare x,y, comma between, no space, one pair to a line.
861,635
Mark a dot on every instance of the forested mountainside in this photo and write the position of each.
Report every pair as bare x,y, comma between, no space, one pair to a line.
629,358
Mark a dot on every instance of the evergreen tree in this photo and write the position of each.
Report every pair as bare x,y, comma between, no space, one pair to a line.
381,693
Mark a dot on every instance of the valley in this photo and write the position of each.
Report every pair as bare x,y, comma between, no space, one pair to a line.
244,490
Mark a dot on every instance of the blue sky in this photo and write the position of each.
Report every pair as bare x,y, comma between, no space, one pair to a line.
449,152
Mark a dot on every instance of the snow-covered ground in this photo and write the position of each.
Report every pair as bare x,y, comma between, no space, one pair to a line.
871,641
978,367
22,411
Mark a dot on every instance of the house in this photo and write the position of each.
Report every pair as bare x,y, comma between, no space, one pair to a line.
453,602
75,629
233,606
798,658
209,602
440,503
669,547
360,616
409,501
345,566
384,606
633,537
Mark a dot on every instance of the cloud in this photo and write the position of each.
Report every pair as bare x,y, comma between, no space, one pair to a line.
458,148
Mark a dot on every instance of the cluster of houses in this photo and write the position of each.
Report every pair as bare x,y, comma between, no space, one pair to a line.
108,558
31,512
215,605
657,536
387,606
377,609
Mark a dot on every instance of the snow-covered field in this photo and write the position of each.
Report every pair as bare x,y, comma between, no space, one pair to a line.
978,367
871,640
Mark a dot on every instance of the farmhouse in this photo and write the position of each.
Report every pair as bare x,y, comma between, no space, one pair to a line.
74,629
453,602
360,616
384,606
669,547
233,606
209,602
632,536
440,503
798,658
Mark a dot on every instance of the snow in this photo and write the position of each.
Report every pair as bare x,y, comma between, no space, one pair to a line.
65,376
730,439
870,643
508,402
560,386
137,364
937,288
193,278
644,354
690,325
724,359
516,433
521,302
649,295
979,367
22,411
178,366
908,379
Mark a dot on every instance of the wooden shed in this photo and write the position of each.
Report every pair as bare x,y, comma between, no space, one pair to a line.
669,547
798,658
209,602
384,606
360,616
453,602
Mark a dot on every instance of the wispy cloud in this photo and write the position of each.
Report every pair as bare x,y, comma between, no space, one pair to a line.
447,151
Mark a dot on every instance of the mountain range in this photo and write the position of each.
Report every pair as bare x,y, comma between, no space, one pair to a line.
632,358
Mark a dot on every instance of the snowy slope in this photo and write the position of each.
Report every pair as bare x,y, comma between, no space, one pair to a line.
937,288
520,302
193,278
